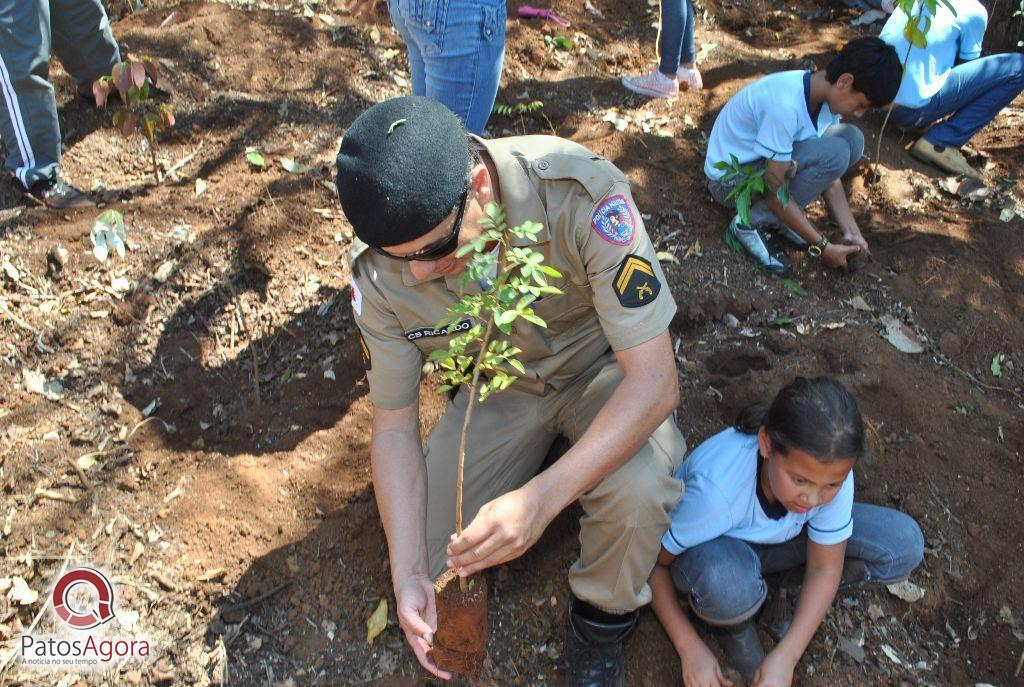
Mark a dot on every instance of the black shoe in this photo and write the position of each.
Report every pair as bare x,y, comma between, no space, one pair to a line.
593,646
58,194
761,244
741,645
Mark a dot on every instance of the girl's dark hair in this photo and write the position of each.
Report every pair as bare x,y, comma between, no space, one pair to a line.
817,416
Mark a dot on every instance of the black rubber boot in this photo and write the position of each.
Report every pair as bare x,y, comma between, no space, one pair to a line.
741,645
593,645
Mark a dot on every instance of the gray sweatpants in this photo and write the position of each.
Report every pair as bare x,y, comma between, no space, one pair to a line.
820,161
79,33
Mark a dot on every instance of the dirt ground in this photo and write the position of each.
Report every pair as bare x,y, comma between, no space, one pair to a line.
208,444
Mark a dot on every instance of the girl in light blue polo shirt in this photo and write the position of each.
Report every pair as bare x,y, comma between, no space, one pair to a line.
772,494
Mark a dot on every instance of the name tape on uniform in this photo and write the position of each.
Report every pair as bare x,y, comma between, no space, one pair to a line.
430,332
613,220
635,283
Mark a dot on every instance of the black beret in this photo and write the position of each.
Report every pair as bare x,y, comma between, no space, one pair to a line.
401,169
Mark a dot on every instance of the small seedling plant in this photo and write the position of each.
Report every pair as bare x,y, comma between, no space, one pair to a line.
750,182
511,278
521,110
134,81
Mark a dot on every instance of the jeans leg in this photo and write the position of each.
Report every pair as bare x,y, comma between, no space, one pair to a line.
687,53
854,138
462,55
723,580
416,69
975,91
83,41
673,32
28,118
889,542
820,161
787,555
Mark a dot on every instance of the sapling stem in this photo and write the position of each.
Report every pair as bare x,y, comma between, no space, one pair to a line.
892,105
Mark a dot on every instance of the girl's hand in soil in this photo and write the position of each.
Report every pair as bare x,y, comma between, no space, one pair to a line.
701,669
502,530
775,670
414,597
836,254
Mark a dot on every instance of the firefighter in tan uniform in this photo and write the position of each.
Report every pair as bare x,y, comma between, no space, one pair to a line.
414,186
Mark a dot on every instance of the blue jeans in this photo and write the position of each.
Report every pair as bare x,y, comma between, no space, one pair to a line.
974,93
724,577
820,161
676,35
456,48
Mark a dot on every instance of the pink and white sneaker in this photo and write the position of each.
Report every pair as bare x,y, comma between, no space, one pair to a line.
690,79
653,85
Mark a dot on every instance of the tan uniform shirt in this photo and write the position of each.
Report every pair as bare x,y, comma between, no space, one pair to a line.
613,288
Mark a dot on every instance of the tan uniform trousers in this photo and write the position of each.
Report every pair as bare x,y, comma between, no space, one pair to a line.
625,514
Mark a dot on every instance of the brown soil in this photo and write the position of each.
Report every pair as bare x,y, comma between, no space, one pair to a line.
460,643
231,495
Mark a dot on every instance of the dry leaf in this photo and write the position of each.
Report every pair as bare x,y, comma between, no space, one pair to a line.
906,590
21,593
858,303
377,622
900,335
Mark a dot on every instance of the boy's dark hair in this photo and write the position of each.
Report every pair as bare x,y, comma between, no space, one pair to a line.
875,67
817,416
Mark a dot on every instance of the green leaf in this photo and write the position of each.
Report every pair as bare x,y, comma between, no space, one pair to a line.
782,193
530,317
200,187
439,354
997,368
255,158
562,43
518,366
794,287
293,167
550,271
506,317
781,321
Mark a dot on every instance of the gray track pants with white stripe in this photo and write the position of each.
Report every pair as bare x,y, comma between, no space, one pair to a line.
80,36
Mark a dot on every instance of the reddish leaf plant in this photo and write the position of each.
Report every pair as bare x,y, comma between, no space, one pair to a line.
134,81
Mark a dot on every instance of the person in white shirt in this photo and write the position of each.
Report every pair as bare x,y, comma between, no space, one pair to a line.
948,80
789,125
772,494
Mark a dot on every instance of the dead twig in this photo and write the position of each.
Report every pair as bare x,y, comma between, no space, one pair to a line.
17,320
81,474
1020,664
185,160
242,605
983,385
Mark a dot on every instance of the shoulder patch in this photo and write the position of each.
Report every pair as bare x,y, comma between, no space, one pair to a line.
635,282
613,220
367,363
357,299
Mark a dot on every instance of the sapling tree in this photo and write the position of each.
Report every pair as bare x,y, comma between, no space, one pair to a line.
134,81
511,278
915,31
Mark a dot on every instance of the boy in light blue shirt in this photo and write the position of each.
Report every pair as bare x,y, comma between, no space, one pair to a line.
949,78
789,123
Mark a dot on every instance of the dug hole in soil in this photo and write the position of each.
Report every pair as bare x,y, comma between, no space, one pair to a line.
218,411
460,643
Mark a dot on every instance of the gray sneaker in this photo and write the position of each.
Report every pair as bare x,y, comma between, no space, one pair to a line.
761,244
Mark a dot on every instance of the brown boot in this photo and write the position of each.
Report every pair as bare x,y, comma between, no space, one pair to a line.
948,159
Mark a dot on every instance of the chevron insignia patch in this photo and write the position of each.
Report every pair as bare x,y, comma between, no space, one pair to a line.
635,282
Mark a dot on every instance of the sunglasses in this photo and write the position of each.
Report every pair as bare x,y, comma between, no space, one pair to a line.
438,249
